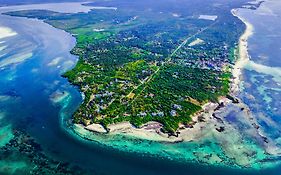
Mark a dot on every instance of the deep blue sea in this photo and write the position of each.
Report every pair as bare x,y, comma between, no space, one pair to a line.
36,99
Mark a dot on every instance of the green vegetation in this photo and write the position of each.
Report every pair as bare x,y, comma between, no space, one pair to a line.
136,66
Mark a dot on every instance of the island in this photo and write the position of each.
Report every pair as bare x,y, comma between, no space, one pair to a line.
140,65
161,75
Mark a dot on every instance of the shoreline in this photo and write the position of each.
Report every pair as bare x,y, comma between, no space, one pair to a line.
198,131
204,125
243,55
150,131
211,123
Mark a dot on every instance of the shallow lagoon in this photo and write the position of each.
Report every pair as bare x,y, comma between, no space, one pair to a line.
262,74
39,101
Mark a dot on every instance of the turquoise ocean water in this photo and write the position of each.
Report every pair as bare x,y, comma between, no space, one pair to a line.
35,99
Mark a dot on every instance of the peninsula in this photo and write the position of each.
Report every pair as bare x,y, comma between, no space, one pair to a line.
138,66
151,74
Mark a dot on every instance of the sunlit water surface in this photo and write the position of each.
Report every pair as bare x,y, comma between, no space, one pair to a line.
34,97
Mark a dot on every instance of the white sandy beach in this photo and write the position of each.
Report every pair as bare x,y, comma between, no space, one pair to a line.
243,55
197,130
206,124
152,130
